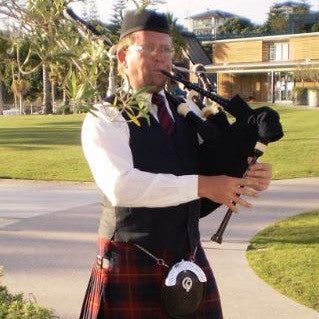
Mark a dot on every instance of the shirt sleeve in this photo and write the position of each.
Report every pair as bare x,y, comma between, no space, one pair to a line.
105,143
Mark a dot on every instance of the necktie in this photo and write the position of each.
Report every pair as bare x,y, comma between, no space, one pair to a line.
164,118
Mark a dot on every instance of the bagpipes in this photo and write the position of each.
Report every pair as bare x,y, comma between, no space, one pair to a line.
226,146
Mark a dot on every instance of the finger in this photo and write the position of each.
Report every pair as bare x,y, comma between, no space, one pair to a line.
242,202
249,160
247,181
266,167
230,204
247,191
263,185
259,174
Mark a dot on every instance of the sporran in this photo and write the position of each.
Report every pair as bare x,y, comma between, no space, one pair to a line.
184,287
183,290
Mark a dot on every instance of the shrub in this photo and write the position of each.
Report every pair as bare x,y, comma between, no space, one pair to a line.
15,307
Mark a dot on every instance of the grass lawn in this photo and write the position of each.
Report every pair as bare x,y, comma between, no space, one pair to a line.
42,147
286,255
48,147
297,153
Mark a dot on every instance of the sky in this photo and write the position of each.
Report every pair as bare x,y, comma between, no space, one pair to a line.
255,10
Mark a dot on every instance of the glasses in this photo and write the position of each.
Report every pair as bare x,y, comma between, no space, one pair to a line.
150,49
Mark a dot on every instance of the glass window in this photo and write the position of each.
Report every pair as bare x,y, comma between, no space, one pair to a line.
206,23
272,52
279,51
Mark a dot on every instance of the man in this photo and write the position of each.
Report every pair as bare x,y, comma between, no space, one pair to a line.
148,175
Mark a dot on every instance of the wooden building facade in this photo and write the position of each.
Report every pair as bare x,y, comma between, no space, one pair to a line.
265,69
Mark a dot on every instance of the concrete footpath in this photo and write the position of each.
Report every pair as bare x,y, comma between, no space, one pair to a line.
48,234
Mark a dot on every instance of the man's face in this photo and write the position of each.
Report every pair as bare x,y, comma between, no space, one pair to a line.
143,60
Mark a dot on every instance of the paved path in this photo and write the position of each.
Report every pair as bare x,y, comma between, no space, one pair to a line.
48,233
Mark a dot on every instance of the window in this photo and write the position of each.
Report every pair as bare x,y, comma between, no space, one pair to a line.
203,32
205,23
279,51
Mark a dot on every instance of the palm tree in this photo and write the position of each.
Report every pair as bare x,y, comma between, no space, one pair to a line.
4,58
76,63
176,34
40,22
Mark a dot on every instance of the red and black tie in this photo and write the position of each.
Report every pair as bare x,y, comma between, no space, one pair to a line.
164,118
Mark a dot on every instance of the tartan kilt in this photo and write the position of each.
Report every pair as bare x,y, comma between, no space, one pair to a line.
130,287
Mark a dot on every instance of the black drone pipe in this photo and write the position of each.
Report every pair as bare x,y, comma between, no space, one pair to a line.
69,14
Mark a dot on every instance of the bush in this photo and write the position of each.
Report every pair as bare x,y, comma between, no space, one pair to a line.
63,109
315,27
300,95
15,307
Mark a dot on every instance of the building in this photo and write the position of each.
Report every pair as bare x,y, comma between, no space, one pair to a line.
205,25
193,54
264,69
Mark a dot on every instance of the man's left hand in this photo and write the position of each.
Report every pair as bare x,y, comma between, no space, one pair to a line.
262,173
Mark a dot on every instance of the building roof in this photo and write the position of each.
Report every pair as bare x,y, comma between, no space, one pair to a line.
212,13
269,37
261,67
195,51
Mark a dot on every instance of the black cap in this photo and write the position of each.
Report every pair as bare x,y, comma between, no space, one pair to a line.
146,20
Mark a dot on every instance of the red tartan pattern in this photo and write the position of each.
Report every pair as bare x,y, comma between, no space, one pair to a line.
131,287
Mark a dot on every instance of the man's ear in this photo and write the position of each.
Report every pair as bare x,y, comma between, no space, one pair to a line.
121,56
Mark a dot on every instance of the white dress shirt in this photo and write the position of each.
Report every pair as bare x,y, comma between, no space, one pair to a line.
105,143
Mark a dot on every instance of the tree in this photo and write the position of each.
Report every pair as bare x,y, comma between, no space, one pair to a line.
302,8
92,12
84,14
4,62
277,23
235,25
315,27
176,34
306,74
13,50
279,14
60,50
38,20
116,21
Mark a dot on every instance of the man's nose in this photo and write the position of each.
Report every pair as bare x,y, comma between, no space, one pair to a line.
158,55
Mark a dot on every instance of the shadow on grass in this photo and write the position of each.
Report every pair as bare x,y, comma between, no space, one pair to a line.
27,148
38,135
76,124
285,138
305,236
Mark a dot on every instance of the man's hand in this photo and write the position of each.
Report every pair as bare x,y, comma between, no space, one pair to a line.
226,190
261,173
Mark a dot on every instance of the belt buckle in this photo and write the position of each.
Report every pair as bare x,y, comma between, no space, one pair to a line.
99,261
102,262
